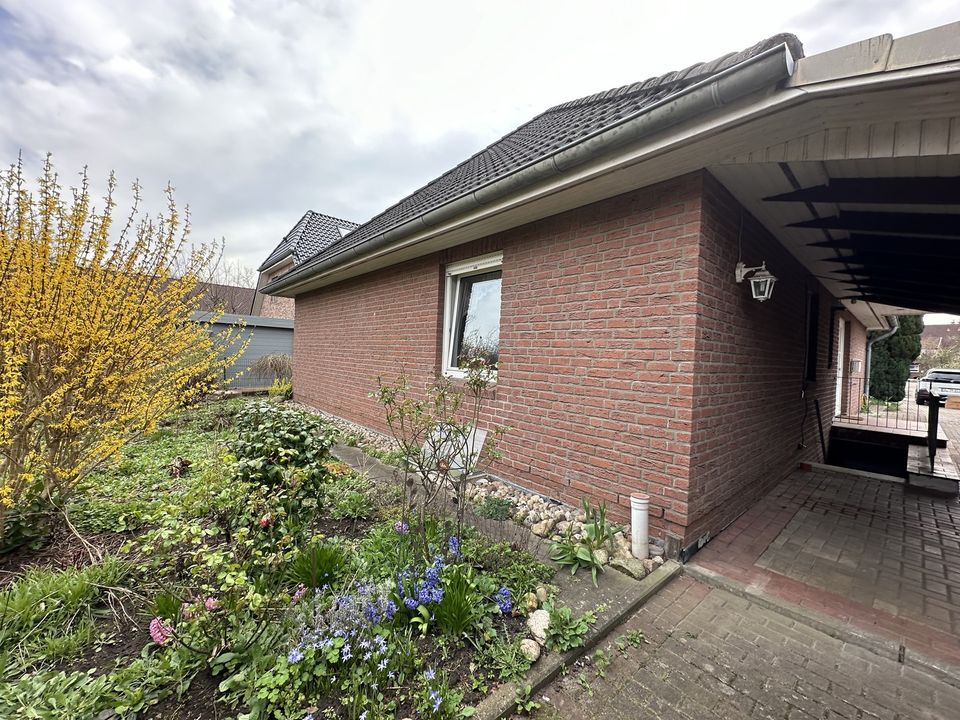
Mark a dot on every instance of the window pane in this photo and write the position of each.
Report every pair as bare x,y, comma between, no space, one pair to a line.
478,327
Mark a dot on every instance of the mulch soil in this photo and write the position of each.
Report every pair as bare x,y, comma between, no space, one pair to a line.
62,549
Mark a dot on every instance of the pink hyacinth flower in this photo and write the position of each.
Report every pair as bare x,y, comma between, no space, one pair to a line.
211,604
160,631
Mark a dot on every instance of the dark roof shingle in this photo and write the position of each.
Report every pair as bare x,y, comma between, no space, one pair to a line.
556,128
312,234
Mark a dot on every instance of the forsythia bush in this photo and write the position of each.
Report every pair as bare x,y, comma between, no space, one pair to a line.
96,337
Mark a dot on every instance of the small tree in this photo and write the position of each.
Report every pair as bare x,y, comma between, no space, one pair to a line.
96,337
947,356
891,358
437,440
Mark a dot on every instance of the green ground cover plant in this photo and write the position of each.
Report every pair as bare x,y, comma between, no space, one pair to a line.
246,563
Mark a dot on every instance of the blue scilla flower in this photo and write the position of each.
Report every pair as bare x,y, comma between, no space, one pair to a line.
429,674
345,652
294,656
504,600
437,700
382,665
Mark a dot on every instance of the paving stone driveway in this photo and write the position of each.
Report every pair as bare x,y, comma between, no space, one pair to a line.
715,655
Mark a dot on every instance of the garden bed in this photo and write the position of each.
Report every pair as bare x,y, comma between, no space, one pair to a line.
262,579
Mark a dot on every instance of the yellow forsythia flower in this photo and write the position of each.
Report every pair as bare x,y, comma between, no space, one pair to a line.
97,340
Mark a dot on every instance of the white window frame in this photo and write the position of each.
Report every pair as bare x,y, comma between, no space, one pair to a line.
451,298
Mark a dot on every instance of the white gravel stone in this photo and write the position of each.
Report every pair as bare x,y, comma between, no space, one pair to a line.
538,623
530,649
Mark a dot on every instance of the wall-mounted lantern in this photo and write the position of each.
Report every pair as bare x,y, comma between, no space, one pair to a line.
761,283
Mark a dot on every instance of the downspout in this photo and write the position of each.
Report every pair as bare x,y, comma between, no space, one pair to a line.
758,73
892,331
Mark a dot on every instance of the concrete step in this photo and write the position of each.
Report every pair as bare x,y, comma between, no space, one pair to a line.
943,477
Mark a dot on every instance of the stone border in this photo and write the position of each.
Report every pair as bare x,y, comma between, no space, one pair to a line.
502,701
829,626
622,593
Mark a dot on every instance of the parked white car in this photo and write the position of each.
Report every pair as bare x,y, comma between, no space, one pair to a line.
942,381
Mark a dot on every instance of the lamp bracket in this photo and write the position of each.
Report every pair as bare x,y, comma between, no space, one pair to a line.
742,270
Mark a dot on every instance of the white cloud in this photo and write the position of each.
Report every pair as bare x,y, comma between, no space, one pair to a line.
258,111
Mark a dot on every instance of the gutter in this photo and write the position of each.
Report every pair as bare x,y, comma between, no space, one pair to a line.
274,262
750,76
895,321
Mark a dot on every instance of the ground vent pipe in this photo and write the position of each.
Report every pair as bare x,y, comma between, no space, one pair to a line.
640,526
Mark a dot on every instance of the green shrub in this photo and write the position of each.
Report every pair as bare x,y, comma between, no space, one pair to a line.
597,534
317,565
506,565
274,437
496,508
566,630
352,505
506,659
462,607
281,388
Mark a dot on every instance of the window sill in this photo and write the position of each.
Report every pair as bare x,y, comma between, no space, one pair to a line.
460,377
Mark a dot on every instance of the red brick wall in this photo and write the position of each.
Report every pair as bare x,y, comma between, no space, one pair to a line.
378,324
597,337
852,375
752,405
630,359
277,307
272,305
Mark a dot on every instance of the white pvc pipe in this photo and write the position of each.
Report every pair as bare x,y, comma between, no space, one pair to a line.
639,526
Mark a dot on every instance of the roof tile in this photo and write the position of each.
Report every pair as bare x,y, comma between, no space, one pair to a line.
560,126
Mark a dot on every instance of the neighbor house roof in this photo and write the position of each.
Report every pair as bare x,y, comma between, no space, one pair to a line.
553,130
229,298
312,234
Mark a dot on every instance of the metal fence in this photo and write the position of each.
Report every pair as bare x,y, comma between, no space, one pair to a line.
902,414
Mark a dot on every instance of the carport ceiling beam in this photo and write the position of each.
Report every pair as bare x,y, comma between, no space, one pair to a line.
929,224
892,244
896,261
907,284
929,302
886,191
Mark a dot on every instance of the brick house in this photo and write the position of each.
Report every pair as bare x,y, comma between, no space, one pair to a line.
594,249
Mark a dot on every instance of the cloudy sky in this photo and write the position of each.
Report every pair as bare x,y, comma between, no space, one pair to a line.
258,110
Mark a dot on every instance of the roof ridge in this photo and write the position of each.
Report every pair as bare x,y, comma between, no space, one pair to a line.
791,40
689,74
541,136
331,217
